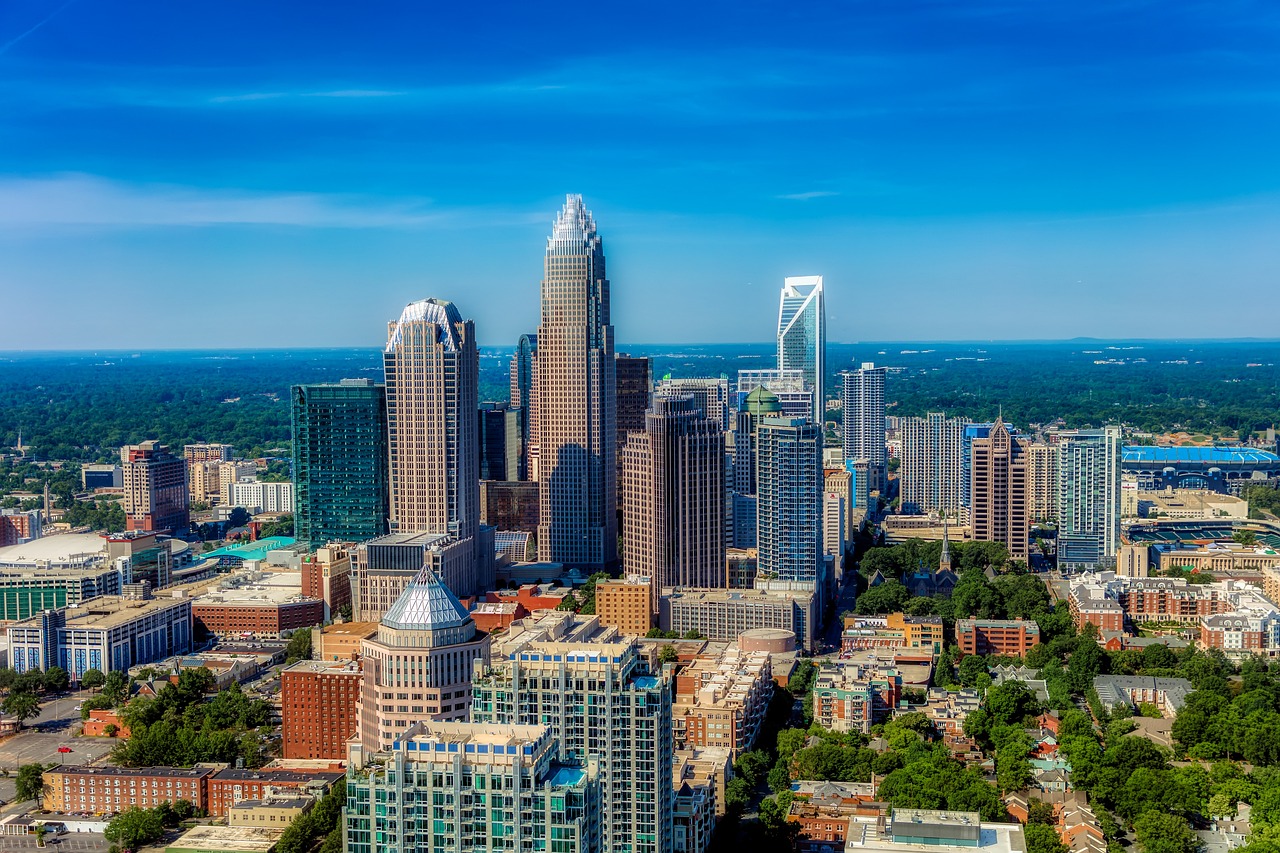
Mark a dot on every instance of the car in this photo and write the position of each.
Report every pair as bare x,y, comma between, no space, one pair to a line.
64,749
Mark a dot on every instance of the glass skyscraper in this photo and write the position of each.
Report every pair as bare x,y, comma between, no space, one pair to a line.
577,399
789,492
340,461
1088,497
802,335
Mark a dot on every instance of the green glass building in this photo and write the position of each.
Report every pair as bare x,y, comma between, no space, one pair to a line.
340,461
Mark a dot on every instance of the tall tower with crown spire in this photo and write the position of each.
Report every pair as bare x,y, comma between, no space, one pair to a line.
576,399
944,560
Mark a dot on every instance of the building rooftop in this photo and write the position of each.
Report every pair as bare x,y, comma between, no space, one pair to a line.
353,629
109,611
1216,455
253,550
426,605
228,839
62,550
329,667
254,589
109,770
276,775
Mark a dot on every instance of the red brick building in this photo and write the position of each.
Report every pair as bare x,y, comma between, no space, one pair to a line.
326,575
231,786
318,707
531,596
110,790
240,617
1002,637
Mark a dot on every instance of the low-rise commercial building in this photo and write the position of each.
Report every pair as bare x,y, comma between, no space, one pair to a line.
273,812
341,640
256,603
892,631
721,700
1002,637
234,785
925,829
318,702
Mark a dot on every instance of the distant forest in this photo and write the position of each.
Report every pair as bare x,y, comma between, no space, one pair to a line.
83,407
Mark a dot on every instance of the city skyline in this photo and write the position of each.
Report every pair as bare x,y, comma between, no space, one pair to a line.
909,155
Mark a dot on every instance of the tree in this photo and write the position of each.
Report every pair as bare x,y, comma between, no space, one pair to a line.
1043,839
135,827
24,706
299,647
239,517
1247,538
92,679
56,679
888,597
693,634
30,782
116,687
668,654
1159,832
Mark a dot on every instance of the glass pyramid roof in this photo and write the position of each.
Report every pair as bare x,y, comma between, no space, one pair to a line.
426,605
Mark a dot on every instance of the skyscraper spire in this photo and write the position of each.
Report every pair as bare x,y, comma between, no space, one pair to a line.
944,561
802,335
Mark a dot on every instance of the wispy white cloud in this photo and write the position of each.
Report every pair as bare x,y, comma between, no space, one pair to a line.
89,200
809,195
354,93
247,96
55,13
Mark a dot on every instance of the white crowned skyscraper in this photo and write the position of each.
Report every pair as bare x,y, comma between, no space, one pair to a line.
576,399
432,375
802,334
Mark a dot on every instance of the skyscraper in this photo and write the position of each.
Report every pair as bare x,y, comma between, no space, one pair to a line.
673,510
789,489
740,501
155,488
340,461
862,427
790,387
576,402
710,396
999,490
930,476
1042,482
1088,497
432,373
524,396
802,335
499,455
632,384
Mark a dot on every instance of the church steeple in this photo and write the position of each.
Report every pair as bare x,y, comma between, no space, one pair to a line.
944,561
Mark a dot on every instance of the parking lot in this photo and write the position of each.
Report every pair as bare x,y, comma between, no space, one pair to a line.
53,728
79,842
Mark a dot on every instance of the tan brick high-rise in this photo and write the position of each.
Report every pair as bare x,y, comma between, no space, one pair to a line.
1000,494
576,394
673,509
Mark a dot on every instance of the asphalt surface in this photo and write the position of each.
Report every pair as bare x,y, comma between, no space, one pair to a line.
55,727
80,842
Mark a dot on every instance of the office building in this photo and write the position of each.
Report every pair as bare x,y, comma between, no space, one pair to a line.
24,593
508,505
626,604
341,640
382,568
340,461
723,615
793,392
19,526
206,452
789,499
1042,482
230,473
1134,561
155,488
94,477
202,470
577,399
595,691
862,425
673,512
463,787
500,449
318,700
524,397
802,335
432,374
263,496
326,575
999,490
1088,497
1001,637
141,556
420,664
930,471
834,526
633,383
741,466
710,397
107,634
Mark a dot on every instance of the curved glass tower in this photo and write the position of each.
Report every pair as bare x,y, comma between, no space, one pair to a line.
802,335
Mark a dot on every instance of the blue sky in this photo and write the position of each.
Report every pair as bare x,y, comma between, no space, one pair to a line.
290,174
